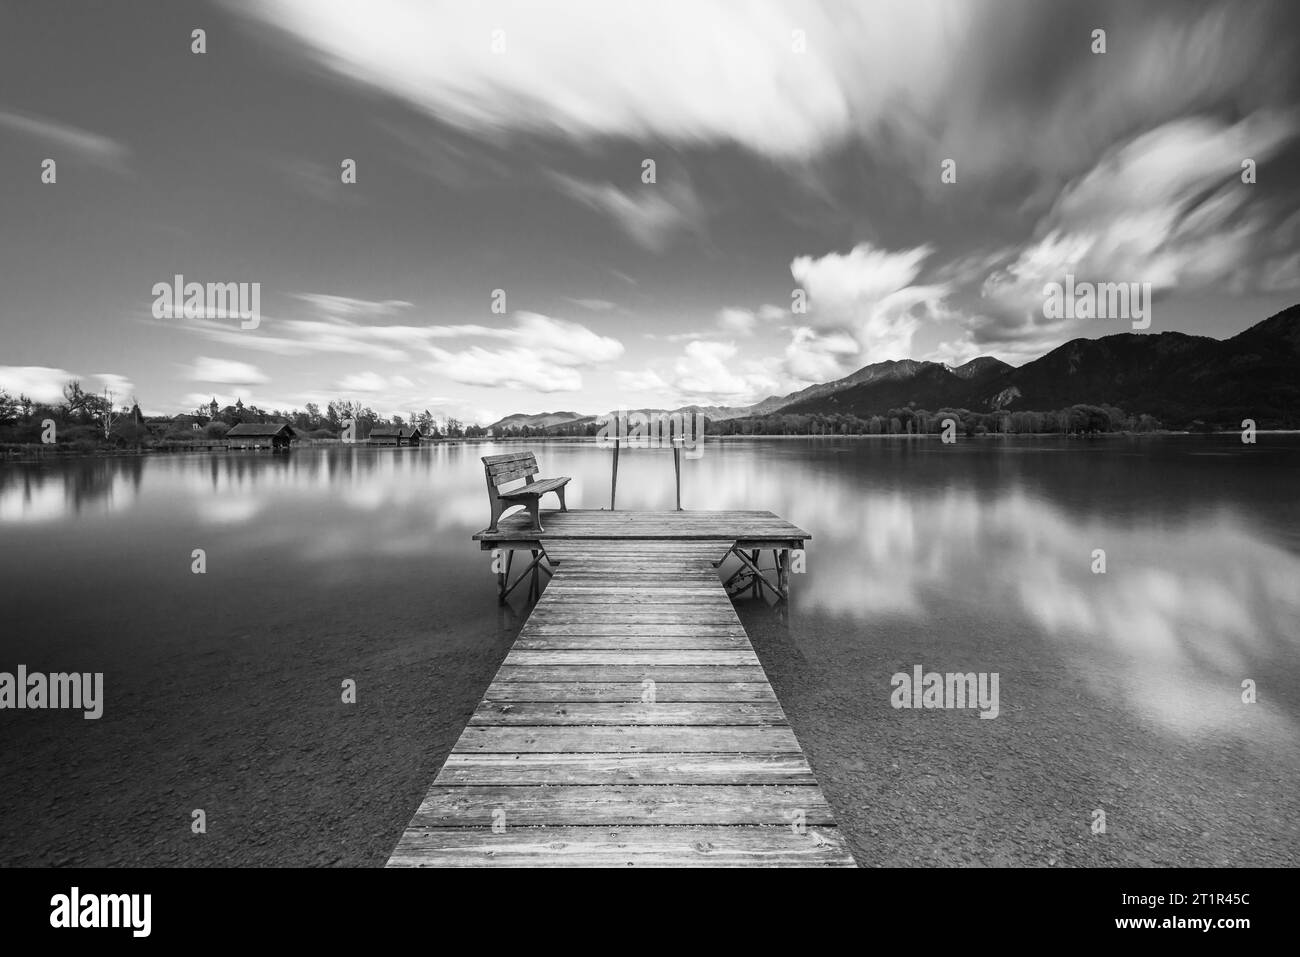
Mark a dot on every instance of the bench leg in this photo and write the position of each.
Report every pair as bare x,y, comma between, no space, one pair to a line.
560,492
497,509
534,509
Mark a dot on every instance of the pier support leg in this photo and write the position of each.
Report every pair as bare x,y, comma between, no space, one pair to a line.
540,563
504,577
749,576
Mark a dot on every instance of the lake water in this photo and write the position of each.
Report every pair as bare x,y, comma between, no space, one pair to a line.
1119,692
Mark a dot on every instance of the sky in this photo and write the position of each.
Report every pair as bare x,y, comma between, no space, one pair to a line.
799,224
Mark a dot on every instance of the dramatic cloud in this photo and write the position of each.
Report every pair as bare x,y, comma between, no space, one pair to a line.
794,79
602,70
867,294
1168,207
816,357
710,373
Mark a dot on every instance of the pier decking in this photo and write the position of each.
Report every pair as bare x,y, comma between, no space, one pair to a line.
631,723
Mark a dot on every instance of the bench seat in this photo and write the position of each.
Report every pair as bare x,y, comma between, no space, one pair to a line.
537,488
501,470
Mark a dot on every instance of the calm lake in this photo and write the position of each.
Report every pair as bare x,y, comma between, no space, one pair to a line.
1119,692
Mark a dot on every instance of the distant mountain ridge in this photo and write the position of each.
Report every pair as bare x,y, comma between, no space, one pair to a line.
1178,378
539,420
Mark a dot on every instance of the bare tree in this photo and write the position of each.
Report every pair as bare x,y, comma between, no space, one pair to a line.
75,399
107,415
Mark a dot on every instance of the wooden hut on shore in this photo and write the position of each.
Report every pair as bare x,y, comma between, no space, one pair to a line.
395,435
275,436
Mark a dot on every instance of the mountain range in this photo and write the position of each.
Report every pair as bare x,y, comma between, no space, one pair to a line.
1179,379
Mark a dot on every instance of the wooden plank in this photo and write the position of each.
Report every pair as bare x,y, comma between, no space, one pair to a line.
639,642
562,588
626,673
631,598
636,628
603,615
507,457
623,847
561,805
507,714
629,739
595,769
587,525
630,657
504,474
666,691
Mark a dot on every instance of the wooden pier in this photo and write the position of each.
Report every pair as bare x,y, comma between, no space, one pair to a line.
631,723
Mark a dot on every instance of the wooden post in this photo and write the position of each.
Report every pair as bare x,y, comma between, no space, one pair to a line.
677,467
613,484
783,577
503,578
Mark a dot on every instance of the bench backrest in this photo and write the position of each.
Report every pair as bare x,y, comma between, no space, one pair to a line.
504,469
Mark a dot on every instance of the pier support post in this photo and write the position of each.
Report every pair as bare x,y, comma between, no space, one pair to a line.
613,478
540,563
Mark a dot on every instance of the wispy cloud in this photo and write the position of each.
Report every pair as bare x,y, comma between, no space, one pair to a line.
225,372
649,213
543,354
82,144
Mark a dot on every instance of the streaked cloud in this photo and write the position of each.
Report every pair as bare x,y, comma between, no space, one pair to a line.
373,382
543,355
120,386
649,213
226,372
82,144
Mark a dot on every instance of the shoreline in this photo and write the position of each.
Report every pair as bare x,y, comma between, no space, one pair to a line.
31,452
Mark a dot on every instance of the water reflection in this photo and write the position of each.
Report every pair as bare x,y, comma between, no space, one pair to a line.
1202,550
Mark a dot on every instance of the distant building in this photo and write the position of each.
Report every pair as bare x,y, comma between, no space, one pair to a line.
261,435
395,435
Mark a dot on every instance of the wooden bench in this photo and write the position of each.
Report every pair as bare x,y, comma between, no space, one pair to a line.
503,469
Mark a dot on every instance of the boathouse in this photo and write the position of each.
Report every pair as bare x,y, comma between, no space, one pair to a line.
394,435
261,435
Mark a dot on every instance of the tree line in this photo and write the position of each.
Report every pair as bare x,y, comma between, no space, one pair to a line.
84,421
1074,420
